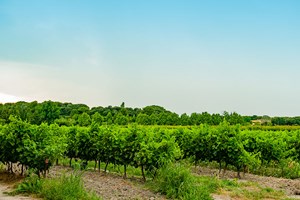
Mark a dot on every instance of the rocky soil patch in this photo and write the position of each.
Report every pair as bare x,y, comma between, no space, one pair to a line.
289,186
112,186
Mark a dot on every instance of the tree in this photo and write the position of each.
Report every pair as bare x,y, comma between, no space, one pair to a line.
143,119
48,111
195,119
122,105
121,119
216,119
154,119
185,120
148,110
97,118
171,119
109,118
233,118
84,120
205,118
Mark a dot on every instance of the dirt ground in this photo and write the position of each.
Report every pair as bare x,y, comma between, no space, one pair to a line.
289,186
114,187
7,183
3,196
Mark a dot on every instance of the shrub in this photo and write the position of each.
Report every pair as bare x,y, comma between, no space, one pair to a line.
32,184
61,188
177,182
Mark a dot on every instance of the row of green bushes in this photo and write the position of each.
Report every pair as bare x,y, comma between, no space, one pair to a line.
150,147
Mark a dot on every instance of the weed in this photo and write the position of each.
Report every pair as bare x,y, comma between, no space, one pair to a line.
32,184
177,182
62,188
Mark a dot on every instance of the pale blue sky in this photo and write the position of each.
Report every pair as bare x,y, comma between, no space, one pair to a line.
187,56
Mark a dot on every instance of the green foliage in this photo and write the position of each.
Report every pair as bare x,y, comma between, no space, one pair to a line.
69,114
271,147
228,147
177,182
150,147
48,111
84,119
156,149
97,118
31,145
62,188
121,119
143,119
66,188
286,120
140,147
295,142
31,185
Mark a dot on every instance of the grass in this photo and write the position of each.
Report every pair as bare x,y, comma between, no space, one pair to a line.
62,188
285,169
248,190
111,168
177,182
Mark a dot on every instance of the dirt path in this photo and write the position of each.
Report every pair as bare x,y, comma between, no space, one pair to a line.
6,188
112,186
115,187
7,182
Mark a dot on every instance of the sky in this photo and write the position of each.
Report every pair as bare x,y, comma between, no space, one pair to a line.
185,55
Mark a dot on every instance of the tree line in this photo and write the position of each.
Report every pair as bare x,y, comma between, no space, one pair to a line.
69,114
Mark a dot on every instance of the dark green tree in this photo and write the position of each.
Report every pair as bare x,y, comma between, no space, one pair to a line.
84,120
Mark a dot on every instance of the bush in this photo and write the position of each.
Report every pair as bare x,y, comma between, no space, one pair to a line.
177,182
32,184
62,188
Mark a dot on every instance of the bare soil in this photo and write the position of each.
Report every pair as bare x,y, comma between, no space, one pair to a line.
7,184
112,186
289,186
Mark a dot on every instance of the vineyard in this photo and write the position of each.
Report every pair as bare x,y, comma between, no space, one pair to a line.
150,147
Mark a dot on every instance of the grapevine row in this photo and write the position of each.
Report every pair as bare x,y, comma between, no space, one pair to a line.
147,147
